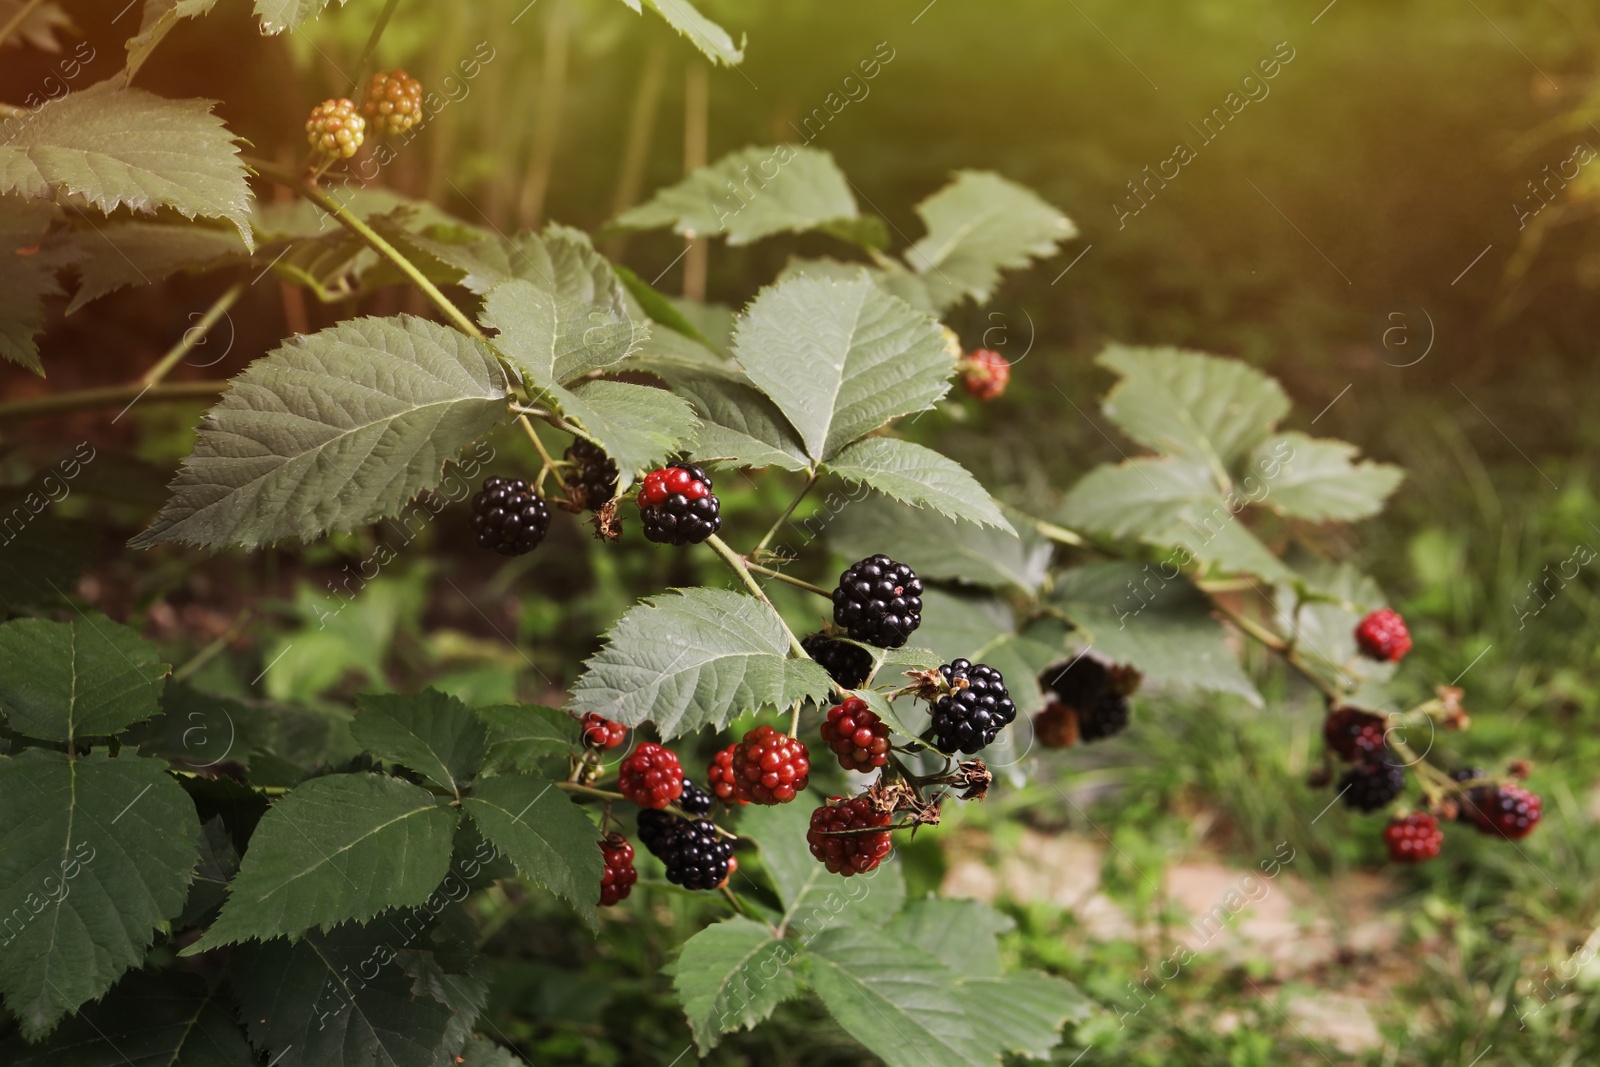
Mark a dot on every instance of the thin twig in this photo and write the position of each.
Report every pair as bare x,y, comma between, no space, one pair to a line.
777,575
109,396
194,335
364,64
742,569
811,480
18,19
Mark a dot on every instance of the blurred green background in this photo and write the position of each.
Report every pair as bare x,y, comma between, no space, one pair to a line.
1377,226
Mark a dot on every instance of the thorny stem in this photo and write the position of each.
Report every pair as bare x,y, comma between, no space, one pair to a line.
194,335
742,569
18,19
811,480
777,575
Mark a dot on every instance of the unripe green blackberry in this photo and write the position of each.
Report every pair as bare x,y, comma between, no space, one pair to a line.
336,129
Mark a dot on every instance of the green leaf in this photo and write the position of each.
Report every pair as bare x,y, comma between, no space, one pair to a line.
149,1019
711,39
279,15
549,838
219,862
160,16
98,853
979,225
128,148
481,1052
920,477
937,548
914,289
27,276
86,678
658,307
840,359
357,996
433,734
637,425
1171,504
331,431
896,1000
120,254
1317,479
963,934
1151,618
554,340
1192,406
693,658
749,194
739,426
1339,596
1021,1012
342,847
525,734
732,975
813,899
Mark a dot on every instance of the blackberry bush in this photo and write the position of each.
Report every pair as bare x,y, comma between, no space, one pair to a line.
384,827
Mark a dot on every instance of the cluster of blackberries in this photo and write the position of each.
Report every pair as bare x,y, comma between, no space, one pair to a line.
509,517
677,506
1088,702
977,707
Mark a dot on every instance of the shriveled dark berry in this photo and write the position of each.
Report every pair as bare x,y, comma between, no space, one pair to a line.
509,517
970,716
848,665
878,602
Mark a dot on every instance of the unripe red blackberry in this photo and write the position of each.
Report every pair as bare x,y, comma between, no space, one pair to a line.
1382,635
1508,811
593,480
720,777
677,507
1372,783
1413,838
878,602
618,875
849,853
848,665
336,129
651,776
393,102
1353,734
769,766
971,715
985,374
600,732
509,517
857,736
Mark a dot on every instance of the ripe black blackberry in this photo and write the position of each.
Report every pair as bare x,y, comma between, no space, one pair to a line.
1352,733
593,480
970,716
695,856
1097,695
655,828
848,665
1371,784
509,517
677,507
878,602
695,801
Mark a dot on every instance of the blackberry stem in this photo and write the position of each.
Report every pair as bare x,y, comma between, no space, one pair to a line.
364,64
811,480
777,575
607,795
549,463
742,569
